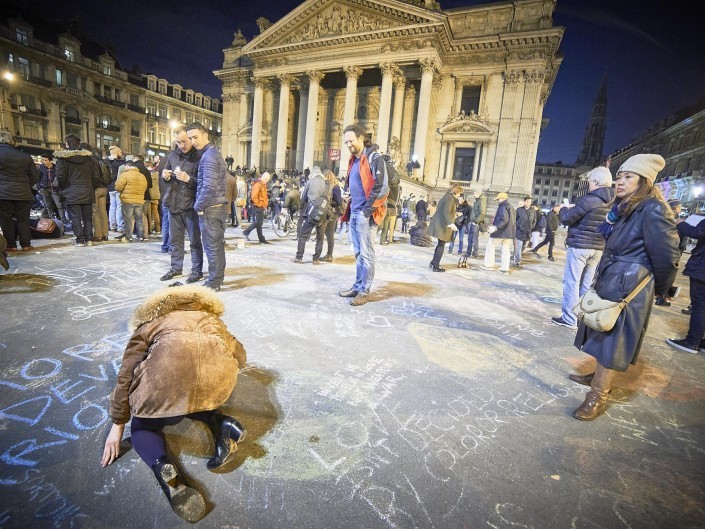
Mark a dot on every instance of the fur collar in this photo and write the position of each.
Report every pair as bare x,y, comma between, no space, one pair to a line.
187,297
69,154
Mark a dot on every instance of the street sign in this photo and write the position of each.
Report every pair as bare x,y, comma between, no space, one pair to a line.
334,154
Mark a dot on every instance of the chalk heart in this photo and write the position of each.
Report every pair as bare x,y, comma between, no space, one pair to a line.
467,352
480,308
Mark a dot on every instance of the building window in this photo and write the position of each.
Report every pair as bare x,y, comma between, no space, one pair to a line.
189,98
162,111
176,115
152,135
470,100
151,85
107,70
189,117
117,94
362,112
108,92
151,108
214,106
162,137
462,168
162,88
554,193
135,128
539,170
59,77
134,100
11,61
24,67
177,93
22,36
199,101
70,53
206,123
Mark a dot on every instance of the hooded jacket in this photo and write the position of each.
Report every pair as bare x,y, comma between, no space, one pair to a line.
584,219
180,196
77,174
17,174
131,185
210,182
373,174
180,359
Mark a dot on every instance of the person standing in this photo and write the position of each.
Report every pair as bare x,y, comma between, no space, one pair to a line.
100,212
316,187
336,211
17,176
53,201
131,185
552,224
641,242
116,160
179,195
421,209
260,201
292,200
367,182
525,219
585,242
210,203
477,221
240,199
78,174
231,195
503,229
442,224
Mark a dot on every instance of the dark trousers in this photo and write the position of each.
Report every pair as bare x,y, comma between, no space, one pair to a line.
257,224
438,253
550,240
166,239
330,233
54,203
18,209
148,438
696,330
212,224
81,216
304,234
179,225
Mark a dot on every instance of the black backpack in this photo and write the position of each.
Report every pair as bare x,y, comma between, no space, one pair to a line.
106,176
317,211
393,180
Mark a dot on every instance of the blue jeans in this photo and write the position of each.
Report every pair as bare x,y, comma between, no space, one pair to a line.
132,213
473,230
212,224
363,232
518,249
580,267
115,213
166,237
179,224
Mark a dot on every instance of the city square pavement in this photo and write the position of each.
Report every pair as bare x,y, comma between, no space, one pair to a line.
442,403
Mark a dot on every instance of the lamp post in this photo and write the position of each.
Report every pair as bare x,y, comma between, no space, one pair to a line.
6,77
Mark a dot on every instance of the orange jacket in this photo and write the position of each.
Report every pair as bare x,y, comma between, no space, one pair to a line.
376,186
258,195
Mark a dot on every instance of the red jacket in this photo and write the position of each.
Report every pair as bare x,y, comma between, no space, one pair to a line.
258,195
375,185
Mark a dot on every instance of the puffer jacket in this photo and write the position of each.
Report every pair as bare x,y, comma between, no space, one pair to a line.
645,242
17,174
180,359
584,219
524,221
77,175
180,196
445,215
210,182
47,175
315,188
131,185
504,221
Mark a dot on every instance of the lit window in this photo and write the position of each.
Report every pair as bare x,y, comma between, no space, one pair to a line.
59,77
22,36
152,85
162,88
177,93
69,53
107,70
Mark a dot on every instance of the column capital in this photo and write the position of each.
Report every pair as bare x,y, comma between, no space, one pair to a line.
535,77
285,79
400,82
315,76
389,69
428,65
260,82
512,77
231,98
352,71
437,80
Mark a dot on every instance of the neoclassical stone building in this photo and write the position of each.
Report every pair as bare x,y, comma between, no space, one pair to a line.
459,91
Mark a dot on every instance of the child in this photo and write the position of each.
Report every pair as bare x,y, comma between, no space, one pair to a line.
181,361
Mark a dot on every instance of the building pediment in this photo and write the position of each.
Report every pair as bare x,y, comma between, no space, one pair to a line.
325,21
470,125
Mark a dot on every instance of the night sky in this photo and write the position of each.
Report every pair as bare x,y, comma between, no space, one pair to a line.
653,54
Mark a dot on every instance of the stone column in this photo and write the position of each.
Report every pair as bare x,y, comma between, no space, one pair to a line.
399,86
385,104
407,123
259,83
62,126
522,177
301,125
282,128
54,122
458,99
476,160
352,73
501,173
428,66
314,79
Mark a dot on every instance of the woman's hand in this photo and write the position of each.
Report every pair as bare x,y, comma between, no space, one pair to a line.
112,445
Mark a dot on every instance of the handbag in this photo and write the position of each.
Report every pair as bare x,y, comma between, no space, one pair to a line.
46,225
601,314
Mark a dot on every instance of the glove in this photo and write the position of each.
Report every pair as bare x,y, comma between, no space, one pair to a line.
453,227
492,229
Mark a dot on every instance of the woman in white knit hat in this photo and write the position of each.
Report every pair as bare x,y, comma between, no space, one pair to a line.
641,241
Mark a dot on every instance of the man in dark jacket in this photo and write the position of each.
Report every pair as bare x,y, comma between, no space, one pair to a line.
503,230
315,188
115,160
53,201
476,222
178,196
695,269
525,219
552,224
585,243
78,174
17,176
210,203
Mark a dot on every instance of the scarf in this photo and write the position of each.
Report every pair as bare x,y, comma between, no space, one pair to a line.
613,215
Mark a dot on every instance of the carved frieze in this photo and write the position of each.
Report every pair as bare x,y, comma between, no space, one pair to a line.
337,20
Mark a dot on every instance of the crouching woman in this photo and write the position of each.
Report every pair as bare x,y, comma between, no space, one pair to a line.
641,241
181,361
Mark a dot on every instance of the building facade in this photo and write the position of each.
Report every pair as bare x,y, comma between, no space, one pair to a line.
61,85
555,183
460,92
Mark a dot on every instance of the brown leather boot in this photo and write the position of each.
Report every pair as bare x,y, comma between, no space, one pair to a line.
585,380
595,401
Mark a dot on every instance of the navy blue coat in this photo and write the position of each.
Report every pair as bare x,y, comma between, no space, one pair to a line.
210,184
695,267
505,221
584,219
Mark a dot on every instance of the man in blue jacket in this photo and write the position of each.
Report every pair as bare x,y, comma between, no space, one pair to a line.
585,243
210,203
502,231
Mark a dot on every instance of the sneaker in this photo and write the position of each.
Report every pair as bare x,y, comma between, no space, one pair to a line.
662,302
194,277
360,299
171,274
348,293
686,311
701,347
297,260
327,259
492,268
560,321
683,346
79,243
316,261
212,286
552,259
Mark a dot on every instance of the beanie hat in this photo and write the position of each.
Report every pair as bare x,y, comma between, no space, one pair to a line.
601,175
646,165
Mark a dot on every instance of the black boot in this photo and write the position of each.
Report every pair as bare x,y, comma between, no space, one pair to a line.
231,431
185,501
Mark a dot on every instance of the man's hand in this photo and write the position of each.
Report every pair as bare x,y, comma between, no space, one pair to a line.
112,445
166,174
453,227
182,176
492,229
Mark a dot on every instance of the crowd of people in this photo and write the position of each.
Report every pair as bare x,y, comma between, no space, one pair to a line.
624,241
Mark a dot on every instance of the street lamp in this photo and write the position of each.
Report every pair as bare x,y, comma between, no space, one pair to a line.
6,77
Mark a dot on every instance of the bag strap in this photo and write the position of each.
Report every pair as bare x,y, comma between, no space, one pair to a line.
638,289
